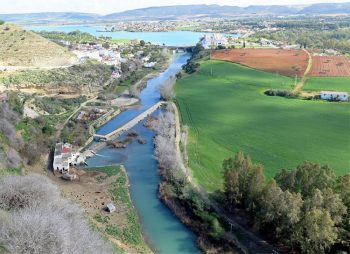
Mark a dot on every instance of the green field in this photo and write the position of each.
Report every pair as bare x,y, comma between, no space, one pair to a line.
227,112
339,84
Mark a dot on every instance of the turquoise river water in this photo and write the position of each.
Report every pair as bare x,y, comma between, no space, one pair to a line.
162,230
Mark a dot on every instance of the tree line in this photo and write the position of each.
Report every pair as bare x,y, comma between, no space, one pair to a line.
338,39
306,208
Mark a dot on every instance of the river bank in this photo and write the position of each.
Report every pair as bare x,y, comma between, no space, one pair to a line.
179,193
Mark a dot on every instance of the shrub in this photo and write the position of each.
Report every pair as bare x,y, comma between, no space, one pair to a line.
40,222
26,191
281,93
166,89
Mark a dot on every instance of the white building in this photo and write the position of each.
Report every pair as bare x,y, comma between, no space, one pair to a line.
110,208
214,40
62,157
334,96
150,65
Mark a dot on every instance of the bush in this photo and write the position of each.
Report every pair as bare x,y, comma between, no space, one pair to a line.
166,89
2,22
281,93
26,191
40,222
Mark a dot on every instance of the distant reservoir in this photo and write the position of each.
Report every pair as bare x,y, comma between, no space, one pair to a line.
173,38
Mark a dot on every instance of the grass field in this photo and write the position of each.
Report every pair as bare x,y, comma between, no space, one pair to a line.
339,84
228,112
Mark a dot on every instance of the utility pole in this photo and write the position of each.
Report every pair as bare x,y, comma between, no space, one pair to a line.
231,225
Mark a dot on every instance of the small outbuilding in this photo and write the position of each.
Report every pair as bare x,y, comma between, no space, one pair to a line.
110,208
334,96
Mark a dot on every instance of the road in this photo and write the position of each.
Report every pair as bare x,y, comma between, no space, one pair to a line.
300,85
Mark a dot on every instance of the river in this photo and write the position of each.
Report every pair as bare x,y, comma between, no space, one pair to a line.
172,38
162,230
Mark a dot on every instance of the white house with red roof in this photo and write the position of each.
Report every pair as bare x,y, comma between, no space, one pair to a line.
62,157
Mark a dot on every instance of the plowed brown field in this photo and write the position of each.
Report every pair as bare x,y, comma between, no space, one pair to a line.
282,61
330,66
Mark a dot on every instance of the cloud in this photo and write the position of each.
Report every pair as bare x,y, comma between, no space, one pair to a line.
110,6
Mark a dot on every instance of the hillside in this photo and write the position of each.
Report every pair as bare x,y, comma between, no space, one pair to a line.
177,12
20,48
195,11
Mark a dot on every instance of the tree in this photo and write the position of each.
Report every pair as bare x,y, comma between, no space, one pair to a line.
306,178
217,230
329,201
106,45
343,189
316,232
2,22
142,43
134,91
279,209
167,89
243,180
124,67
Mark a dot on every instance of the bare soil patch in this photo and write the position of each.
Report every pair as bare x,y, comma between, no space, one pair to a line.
330,66
282,61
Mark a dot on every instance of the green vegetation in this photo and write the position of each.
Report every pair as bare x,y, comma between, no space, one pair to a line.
79,37
75,36
24,48
109,171
339,84
305,208
90,75
226,110
128,229
53,105
75,132
337,39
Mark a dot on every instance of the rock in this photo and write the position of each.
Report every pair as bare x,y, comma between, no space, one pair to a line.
141,141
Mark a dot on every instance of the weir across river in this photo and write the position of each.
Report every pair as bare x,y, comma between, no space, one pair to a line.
128,125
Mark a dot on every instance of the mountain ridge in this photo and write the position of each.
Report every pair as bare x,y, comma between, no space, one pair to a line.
174,12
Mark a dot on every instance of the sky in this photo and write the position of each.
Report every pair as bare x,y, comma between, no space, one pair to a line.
111,6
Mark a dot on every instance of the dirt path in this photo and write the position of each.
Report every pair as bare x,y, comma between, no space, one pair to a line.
243,237
300,85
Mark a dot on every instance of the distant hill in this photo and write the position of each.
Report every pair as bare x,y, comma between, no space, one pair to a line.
22,48
177,12
327,9
49,17
195,11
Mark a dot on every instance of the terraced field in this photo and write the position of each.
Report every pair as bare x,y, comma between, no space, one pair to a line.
226,110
